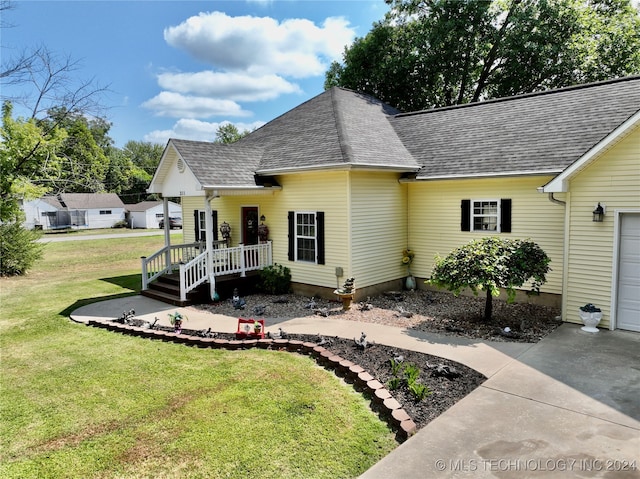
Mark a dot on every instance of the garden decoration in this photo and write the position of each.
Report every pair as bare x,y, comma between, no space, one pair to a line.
237,301
126,317
176,321
249,328
590,316
263,232
346,293
407,259
362,342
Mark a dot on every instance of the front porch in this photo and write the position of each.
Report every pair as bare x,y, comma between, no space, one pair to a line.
175,272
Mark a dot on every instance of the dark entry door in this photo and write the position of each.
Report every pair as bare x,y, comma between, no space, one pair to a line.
250,225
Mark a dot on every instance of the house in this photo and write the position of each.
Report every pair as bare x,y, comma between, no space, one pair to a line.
147,214
74,211
345,183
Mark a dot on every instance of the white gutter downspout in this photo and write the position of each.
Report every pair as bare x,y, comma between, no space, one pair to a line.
565,248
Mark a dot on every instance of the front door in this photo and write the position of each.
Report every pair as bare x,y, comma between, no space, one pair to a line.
250,225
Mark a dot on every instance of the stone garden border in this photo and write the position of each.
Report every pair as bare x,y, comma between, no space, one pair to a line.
382,401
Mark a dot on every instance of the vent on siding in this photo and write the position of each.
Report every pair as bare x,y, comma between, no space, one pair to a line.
180,165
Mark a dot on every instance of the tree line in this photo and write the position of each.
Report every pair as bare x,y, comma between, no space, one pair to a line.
423,54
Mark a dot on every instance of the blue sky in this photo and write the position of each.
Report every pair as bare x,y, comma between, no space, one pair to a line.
180,68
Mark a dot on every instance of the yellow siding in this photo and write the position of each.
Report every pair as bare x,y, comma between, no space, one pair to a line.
434,209
379,227
613,180
313,191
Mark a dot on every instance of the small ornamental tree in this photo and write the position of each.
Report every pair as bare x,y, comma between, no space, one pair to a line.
491,264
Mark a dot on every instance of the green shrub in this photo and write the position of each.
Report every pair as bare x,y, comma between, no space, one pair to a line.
275,279
19,249
420,391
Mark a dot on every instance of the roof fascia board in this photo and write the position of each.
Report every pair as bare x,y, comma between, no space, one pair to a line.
560,184
482,175
306,169
217,191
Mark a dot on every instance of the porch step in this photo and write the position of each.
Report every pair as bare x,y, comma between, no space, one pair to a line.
167,289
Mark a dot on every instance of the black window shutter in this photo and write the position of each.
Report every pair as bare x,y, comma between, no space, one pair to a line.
196,222
320,236
505,216
214,220
465,215
292,236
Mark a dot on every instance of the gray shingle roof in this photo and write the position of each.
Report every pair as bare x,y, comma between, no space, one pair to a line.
539,133
143,205
336,128
84,201
216,164
536,133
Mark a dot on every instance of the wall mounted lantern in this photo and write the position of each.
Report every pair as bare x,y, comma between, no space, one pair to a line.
598,213
225,230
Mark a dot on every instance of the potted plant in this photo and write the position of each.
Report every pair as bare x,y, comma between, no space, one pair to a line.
257,327
407,259
590,316
176,321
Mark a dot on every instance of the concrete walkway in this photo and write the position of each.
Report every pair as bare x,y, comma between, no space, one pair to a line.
568,406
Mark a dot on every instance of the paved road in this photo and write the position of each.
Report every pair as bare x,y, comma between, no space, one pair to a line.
73,237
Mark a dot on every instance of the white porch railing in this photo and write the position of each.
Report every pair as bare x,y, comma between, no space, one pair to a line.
193,263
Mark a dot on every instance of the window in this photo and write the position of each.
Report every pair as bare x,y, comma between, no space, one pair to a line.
105,212
200,224
306,236
485,215
491,215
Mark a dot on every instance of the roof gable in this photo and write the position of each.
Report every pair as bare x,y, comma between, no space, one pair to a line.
560,183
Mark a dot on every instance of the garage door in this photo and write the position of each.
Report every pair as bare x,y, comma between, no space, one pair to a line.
628,309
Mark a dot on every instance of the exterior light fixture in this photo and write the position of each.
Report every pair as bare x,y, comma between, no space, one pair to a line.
263,218
598,213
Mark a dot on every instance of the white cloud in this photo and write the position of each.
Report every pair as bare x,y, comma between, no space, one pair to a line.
295,48
176,105
252,59
190,129
232,86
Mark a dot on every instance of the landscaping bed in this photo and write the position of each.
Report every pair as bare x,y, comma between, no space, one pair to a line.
427,311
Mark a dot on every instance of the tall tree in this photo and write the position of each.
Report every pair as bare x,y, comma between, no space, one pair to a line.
229,133
26,152
83,152
431,53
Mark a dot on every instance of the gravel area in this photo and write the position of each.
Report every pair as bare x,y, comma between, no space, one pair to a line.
429,311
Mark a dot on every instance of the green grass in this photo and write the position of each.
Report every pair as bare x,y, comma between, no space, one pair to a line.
80,402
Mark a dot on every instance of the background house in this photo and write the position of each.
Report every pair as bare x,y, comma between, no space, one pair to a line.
147,214
74,211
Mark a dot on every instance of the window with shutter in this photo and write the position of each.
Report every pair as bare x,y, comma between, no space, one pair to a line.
306,236
491,215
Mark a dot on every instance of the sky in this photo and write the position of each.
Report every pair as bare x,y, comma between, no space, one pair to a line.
179,69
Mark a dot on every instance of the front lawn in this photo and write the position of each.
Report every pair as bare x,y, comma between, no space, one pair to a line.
80,402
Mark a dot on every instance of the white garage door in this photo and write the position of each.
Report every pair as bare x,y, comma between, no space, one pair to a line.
628,310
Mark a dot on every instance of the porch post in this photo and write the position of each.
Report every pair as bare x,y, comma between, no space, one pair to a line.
209,243
167,232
